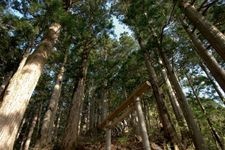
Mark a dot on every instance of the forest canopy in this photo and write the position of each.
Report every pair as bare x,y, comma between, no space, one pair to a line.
69,81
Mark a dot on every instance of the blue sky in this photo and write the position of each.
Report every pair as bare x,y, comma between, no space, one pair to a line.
120,27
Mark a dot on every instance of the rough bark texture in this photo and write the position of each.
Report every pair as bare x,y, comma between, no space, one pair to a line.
71,132
9,76
169,130
48,122
20,89
209,31
214,67
192,125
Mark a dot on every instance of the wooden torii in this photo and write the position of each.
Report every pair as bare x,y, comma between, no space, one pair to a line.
131,104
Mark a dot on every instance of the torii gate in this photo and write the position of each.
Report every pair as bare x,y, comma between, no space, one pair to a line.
131,104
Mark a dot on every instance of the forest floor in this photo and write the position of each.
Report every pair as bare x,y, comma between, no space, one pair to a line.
120,143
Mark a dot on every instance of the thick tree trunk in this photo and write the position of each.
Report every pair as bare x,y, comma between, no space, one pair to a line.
50,115
215,69
209,31
31,130
212,82
20,89
192,125
72,129
71,132
215,135
9,76
168,128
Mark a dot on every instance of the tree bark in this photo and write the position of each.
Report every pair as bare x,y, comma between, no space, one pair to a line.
92,114
215,135
173,100
72,129
91,107
209,31
10,75
48,122
192,125
215,69
105,107
21,87
168,128
145,105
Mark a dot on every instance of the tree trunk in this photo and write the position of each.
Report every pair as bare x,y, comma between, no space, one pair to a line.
20,89
192,125
168,128
209,31
212,82
215,69
92,114
71,131
91,106
10,75
29,136
135,125
176,109
50,115
145,105
173,100
105,107
215,135
105,101
57,126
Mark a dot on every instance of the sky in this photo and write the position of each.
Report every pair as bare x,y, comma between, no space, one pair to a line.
120,27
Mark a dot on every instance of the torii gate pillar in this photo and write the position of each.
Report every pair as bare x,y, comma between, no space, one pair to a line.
142,124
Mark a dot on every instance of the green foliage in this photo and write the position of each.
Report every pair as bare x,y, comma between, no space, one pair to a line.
115,65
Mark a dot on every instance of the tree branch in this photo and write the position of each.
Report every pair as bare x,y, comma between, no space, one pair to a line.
167,22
